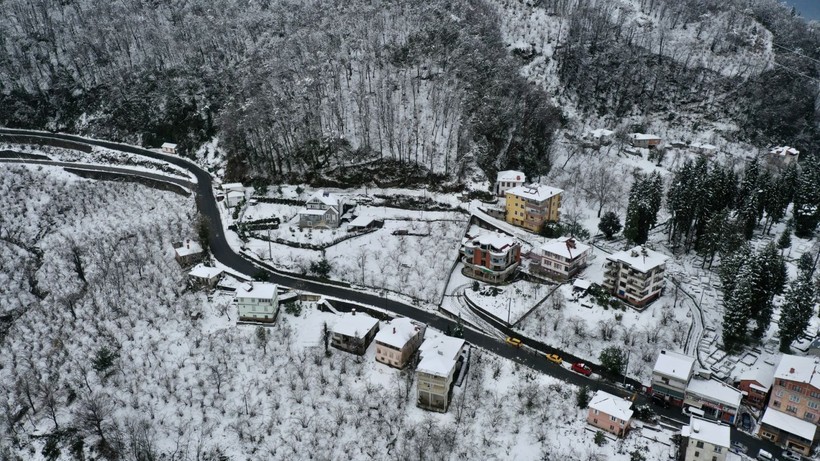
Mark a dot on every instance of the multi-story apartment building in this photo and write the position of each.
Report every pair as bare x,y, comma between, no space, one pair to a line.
563,258
533,206
704,440
671,376
508,179
441,357
490,256
610,413
716,399
257,302
636,275
398,341
794,405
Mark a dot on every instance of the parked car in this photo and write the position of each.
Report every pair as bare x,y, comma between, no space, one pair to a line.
581,367
513,341
554,358
789,455
738,447
764,455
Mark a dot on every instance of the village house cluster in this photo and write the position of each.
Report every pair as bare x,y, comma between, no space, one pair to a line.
402,342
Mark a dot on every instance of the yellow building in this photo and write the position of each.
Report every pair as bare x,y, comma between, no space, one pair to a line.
532,206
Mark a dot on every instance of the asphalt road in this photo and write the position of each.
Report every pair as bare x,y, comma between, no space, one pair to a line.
222,251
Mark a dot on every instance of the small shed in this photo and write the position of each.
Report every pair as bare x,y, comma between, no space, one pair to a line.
169,148
363,222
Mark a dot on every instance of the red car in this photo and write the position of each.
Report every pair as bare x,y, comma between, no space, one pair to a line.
581,367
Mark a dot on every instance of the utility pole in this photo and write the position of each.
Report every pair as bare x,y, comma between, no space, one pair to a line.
509,306
626,368
270,249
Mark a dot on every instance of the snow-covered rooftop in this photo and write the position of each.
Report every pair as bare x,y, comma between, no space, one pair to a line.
708,431
510,176
601,133
789,423
762,373
312,211
611,405
559,247
784,151
325,197
639,258
362,221
233,186
799,369
205,272
439,355
674,365
581,284
235,194
715,390
189,247
397,332
537,192
643,136
704,147
257,290
496,240
355,326
168,145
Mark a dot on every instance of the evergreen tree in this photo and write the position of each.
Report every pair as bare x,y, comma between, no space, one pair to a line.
798,307
613,360
645,198
807,201
772,277
609,224
737,314
785,240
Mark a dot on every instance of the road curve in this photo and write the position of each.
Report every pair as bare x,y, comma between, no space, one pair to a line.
221,250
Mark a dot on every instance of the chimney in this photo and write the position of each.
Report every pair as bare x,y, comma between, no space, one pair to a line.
791,370
353,311
394,330
188,243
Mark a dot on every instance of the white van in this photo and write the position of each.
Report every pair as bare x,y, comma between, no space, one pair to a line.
764,455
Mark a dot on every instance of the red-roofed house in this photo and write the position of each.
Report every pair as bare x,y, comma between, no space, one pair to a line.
756,382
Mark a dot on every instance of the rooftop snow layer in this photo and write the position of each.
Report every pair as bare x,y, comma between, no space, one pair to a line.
639,258
674,365
559,247
789,423
439,355
708,431
188,248
799,369
510,176
784,150
715,390
537,192
257,290
612,405
205,272
324,197
362,221
397,332
355,326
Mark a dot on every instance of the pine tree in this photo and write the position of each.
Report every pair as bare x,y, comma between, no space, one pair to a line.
772,278
807,201
610,224
645,198
785,240
736,315
798,307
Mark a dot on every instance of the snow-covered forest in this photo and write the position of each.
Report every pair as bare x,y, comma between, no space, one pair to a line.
295,88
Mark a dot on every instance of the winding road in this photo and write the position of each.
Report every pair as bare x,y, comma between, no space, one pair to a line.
530,356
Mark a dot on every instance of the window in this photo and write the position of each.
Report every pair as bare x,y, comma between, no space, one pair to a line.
779,393
791,409
815,395
697,454
776,403
797,388
717,449
794,398
813,404
699,444
595,420
596,412
612,418
809,416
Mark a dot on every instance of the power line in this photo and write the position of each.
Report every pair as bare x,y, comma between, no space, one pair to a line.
797,53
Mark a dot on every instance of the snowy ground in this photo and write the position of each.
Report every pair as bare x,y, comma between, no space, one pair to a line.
184,379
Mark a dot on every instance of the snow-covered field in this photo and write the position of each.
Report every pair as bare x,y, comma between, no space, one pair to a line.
138,365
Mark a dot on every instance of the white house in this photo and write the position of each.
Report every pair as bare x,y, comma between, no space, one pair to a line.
784,155
322,209
563,258
169,148
671,376
440,358
187,252
204,276
647,141
635,275
507,180
257,302
705,440
599,136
